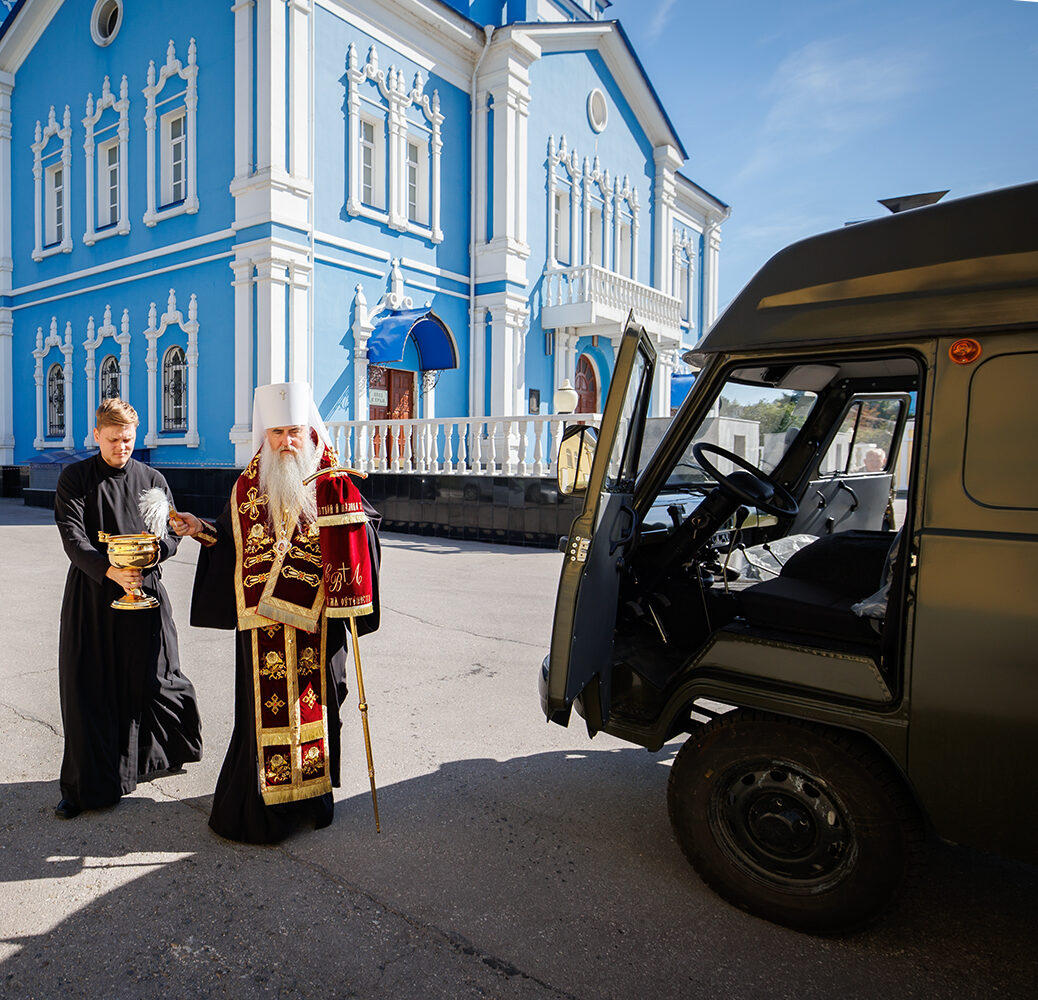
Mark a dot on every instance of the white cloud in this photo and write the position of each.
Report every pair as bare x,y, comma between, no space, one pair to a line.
658,23
825,95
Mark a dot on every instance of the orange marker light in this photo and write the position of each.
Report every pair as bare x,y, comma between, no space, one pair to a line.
965,351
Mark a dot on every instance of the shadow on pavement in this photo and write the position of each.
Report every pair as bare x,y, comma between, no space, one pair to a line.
480,885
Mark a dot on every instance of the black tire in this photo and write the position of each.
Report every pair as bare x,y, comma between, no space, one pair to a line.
804,825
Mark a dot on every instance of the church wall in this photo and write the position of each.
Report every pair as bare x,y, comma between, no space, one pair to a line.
354,249
187,252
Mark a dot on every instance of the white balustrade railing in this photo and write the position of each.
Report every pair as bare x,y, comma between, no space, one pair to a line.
469,446
590,283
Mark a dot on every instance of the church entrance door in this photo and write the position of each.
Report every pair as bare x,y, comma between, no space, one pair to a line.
586,384
390,397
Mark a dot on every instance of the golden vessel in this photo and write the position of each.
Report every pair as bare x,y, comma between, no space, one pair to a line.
136,552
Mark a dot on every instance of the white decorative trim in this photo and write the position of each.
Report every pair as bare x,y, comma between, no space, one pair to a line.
685,250
43,347
189,74
93,115
590,184
92,343
43,134
156,328
398,100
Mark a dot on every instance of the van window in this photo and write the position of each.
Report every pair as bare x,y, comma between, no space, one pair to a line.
999,469
863,442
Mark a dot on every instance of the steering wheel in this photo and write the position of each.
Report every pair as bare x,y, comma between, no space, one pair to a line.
752,486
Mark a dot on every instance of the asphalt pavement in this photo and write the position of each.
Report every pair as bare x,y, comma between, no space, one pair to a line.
516,859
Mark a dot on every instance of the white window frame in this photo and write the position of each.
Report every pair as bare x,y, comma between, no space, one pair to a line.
417,177
187,103
374,205
43,348
167,414
562,248
685,246
55,216
93,342
173,190
99,224
43,173
156,328
396,98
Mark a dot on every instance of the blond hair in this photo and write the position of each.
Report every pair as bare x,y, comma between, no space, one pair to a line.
115,412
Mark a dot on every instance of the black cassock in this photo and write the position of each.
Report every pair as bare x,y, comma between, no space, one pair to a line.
126,708
239,812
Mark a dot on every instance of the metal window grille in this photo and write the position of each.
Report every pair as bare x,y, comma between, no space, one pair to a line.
174,390
110,378
56,402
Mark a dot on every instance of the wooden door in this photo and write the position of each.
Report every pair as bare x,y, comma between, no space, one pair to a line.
586,385
391,397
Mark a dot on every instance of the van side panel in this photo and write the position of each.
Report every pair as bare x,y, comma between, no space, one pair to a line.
973,737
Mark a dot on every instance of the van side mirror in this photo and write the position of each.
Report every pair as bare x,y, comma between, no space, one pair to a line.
576,453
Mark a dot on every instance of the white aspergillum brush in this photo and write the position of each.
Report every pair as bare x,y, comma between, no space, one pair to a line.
156,510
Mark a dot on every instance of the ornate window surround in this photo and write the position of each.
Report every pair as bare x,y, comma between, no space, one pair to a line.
399,130
43,347
168,360
93,114
43,135
589,185
156,328
189,74
685,249
95,338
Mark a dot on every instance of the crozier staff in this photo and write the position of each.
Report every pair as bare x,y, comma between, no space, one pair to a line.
127,710
260,571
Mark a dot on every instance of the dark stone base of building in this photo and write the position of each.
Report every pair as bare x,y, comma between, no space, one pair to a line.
503,509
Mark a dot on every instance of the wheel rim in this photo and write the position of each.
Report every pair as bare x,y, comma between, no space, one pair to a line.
782,825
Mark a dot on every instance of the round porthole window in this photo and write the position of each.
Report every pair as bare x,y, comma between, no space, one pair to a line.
597,110
106,20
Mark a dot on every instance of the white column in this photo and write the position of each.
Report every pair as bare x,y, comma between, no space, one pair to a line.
271,287
712,253
667,164
299,13
299,346
243,79
270,76
6,388
244,327
362,330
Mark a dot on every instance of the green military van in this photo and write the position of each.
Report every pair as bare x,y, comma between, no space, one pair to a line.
824,567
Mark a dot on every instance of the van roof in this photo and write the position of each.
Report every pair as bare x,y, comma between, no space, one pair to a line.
969,263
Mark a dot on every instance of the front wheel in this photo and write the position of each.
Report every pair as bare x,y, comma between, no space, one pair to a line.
803,825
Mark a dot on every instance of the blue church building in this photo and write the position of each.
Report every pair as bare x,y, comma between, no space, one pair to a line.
431,210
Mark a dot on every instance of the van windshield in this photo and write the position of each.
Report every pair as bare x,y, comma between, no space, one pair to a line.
756,421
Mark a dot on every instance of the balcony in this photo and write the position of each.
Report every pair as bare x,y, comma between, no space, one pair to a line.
589,296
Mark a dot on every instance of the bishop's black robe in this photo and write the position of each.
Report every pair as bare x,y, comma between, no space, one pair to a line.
239,811
126,708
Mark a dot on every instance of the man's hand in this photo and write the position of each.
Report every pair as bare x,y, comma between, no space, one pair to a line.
127,577
185,524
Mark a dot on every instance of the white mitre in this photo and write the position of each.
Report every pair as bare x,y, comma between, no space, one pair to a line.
285,404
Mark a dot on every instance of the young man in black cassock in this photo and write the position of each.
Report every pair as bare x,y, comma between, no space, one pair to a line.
127,710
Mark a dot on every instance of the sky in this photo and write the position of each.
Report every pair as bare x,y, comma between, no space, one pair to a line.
801,114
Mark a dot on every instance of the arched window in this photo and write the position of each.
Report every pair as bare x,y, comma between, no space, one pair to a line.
174,390
110,377
55,401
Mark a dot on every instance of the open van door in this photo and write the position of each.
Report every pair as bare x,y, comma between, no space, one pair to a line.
578,666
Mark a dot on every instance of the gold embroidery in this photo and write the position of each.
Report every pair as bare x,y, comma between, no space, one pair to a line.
309,698
313,761
344,576
307,662
252,505
311,557
273,666
291,573
272,630
278,770
251,581
275,704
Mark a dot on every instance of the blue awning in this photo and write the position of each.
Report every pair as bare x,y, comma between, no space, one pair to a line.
431,337
680,386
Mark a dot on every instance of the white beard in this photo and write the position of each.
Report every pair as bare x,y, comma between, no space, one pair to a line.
281,476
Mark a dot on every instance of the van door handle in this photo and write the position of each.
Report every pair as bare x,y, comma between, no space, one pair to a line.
854,496
822,502
625,509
